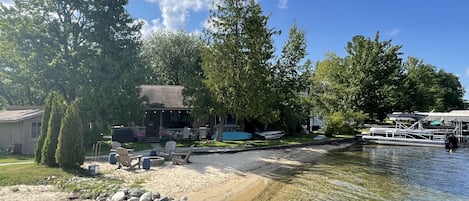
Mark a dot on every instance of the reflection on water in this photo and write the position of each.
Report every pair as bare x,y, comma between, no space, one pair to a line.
370,172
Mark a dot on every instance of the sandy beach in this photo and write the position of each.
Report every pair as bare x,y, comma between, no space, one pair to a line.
210,177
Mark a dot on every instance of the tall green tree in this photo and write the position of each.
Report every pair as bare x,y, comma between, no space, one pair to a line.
22,44
93,54
332,95
425,88
375,72
236,64
198,96
50,144
44,126
452,91
70,152
420,86
330,91
114,67
173,57
291,78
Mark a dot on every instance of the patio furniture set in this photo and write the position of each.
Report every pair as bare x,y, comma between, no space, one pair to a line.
124,157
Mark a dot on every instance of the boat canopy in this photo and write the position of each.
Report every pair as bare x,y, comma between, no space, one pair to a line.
455,115
398,116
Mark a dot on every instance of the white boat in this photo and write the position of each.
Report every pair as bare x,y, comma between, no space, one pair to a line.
416,130
270,135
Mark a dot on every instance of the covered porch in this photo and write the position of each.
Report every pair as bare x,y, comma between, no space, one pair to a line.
165,114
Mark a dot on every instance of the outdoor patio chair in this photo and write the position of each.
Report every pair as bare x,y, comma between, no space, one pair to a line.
186,134
203,133
126,160
169,148
114,145
182,158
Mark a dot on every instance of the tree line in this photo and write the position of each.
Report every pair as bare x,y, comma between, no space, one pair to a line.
92,52
373,80
84,50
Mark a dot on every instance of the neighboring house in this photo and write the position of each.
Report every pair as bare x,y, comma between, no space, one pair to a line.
20,127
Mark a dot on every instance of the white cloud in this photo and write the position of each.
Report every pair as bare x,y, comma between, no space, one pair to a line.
7,3
393,32
175,12
282,4
149,28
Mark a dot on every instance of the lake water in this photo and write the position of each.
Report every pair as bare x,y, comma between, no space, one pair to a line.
372,172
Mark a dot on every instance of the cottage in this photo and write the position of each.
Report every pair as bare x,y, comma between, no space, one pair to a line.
165,110
19,128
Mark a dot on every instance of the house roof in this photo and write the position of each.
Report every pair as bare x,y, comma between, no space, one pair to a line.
13,116
163,96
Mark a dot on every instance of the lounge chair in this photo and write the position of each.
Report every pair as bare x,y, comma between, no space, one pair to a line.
126,160
115,144
169,148
182,158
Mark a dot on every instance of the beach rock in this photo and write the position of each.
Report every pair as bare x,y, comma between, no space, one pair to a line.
72,197
134,199
156,196
119,196
148,196
184,198
164,198
136,192
103,196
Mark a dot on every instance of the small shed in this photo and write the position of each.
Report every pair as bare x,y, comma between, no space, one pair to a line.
19,129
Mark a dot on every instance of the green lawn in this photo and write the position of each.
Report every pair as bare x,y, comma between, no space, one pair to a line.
288,139
30,174
106,147
14,158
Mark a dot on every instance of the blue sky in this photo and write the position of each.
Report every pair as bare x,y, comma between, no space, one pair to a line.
435,31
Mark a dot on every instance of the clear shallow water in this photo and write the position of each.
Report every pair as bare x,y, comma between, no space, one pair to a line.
371,172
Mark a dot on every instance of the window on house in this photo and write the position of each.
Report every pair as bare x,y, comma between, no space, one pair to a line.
35,129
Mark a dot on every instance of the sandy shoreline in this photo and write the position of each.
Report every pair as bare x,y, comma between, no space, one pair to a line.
210,177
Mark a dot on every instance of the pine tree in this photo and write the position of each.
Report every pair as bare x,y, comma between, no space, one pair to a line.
70,151
50,143
237,63
44,125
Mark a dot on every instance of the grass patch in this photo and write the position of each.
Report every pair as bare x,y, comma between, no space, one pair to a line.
137,146
288,139
6,157
106,147
90,187
30,174
71,180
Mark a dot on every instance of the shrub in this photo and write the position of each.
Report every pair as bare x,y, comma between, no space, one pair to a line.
70,152
336,124
44,123
50,143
